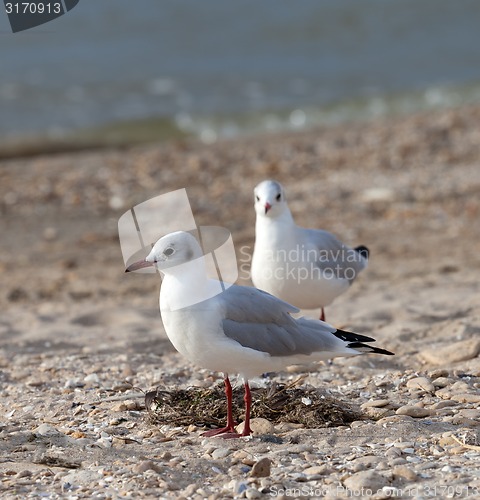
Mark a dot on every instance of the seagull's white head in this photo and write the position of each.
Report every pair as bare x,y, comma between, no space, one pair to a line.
171,250
270,199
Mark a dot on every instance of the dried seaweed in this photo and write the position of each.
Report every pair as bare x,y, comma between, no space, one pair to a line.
278,403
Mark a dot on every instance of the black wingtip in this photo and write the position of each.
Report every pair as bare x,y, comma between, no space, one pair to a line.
352,337
369,348
363,251
355,341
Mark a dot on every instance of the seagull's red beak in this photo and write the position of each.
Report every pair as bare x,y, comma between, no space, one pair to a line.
141,264
267,207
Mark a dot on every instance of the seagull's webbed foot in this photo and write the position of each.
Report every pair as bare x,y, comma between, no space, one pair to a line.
224,432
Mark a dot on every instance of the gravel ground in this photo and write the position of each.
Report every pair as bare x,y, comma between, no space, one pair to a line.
82,341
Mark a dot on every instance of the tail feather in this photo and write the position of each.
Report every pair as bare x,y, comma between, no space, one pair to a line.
363,251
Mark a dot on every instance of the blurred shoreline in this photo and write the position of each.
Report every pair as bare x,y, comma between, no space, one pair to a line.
209,128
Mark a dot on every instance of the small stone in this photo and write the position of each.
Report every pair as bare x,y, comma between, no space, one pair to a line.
145,466
375,403
316,470
73,383
393,452
77,434
456,450
92,379
119,407
460,386
394,419
439,372
470,413
50,233
221,453
464,421
365,462
446,440
24,473
466,398
443,404
421,383
259,426
378,194
189,491
47,430
377,413
252,493
361,481
452,353
413,411
132,405
402,471
403,444
261,468
442,382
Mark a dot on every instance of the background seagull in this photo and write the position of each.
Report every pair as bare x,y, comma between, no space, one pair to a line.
241,329
308,268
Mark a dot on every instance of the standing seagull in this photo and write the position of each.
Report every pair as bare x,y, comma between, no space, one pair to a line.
308,268
241,329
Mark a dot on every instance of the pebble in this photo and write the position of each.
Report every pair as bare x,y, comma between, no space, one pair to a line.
393,452
47,430
259,426
365,462
261,468
252,493
316,470
361,481
404,472
466,398
221,453
442,382
92,379
446,440
470,413
413,411
437,373
452,353
421,383
394,419
443,404
145,466
375,403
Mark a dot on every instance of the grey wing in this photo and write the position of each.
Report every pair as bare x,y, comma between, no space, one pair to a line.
334,256
260,321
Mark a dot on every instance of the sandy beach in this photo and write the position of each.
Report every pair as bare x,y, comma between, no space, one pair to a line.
81,341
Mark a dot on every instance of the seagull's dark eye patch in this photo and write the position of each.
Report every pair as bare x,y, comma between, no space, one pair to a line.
168,251
279,196
257,198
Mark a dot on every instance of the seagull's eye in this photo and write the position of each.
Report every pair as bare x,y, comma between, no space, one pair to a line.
257,198
168,251
279,196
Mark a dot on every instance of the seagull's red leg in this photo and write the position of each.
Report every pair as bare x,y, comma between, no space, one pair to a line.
229,393
322,315
248,404
230,428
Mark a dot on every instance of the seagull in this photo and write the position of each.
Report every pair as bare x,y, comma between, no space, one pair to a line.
240,329
308,268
